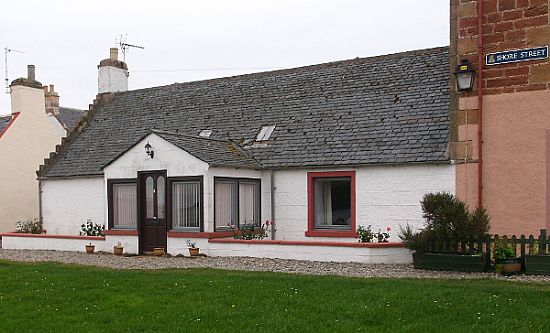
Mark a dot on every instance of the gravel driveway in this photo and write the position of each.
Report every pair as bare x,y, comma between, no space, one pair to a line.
248,264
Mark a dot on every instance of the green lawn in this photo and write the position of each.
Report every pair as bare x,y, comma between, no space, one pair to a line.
60,298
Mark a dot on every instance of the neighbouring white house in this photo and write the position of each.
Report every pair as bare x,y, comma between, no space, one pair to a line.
27,136
317,150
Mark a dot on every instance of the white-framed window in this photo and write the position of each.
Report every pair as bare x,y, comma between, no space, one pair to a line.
236,202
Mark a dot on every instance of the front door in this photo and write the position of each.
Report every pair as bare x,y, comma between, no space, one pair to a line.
152,204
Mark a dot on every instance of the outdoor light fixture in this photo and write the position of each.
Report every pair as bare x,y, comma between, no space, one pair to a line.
465,75
149,150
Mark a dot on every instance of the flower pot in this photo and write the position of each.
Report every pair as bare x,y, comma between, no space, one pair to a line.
194,251
508,266
158,251
90,248
118,250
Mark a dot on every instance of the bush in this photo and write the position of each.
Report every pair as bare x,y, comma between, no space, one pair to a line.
91,229
28,226
447,218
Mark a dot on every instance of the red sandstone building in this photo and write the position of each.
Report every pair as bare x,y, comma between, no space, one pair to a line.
501,132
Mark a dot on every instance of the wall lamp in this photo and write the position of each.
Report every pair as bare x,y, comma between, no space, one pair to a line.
149,150
465,75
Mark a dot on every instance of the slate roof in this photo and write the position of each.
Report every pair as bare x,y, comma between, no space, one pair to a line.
70,117
212,151
378,110
4,121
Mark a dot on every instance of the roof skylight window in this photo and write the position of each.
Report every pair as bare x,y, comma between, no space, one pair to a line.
205,133
265,133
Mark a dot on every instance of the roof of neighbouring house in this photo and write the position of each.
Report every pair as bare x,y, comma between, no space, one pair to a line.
378,110
69,117
4,121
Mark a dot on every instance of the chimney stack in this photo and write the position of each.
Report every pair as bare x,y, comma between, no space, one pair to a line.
51,99
31,73
113,74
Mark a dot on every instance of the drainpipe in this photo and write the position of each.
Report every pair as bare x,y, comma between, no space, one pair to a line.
40,200
480,104
272,183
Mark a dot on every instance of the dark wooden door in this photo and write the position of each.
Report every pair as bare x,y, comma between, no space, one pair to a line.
152,199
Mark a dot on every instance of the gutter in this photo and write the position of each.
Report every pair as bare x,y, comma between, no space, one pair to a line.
480,104
40,201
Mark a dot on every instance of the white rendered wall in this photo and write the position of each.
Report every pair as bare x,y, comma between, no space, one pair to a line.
385,196
391,255
69,202
130,243
112,79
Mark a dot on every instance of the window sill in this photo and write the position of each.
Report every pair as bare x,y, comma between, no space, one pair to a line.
190,234
121,232
331,233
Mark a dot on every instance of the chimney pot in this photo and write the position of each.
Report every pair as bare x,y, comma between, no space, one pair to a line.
31,72
114,53
51,89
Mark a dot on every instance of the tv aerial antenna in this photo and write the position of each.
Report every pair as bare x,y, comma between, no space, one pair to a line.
124,46
6,51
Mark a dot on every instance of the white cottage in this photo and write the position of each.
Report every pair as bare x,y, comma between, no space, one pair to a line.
318,150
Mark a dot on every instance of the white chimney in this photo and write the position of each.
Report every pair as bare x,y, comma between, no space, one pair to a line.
113,74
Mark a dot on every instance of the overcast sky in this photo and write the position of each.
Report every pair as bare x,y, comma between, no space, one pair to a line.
201,39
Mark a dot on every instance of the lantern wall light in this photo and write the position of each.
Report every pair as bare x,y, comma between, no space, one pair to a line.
149,150
465,75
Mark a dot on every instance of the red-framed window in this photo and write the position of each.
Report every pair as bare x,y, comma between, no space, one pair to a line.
331,204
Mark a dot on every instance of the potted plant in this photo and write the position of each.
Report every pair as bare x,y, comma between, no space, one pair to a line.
90,248
506,261
193,249
158,251
447,241
118,248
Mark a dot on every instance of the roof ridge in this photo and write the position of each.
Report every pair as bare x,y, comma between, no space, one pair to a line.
299,68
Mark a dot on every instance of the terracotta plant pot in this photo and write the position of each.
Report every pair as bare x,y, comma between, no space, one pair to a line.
194,251
118,250
90,248
158,251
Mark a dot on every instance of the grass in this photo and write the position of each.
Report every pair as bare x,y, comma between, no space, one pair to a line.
51,297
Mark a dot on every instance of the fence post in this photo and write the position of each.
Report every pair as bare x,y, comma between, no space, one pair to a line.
522,246
543,244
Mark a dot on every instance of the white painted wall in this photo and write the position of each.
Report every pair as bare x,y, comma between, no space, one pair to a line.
168,157
69,202
130,243
385,196
392,255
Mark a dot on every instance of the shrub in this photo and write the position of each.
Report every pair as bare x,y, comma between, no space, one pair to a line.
365,234
28,226
447,218
91,229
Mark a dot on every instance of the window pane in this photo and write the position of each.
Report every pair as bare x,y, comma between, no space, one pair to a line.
186,205
247,203
124,206
161,198
333,202
149,197
224,201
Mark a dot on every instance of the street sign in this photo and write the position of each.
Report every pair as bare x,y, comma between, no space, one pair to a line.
505,57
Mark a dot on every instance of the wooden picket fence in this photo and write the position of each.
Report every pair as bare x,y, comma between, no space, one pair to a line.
522,245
